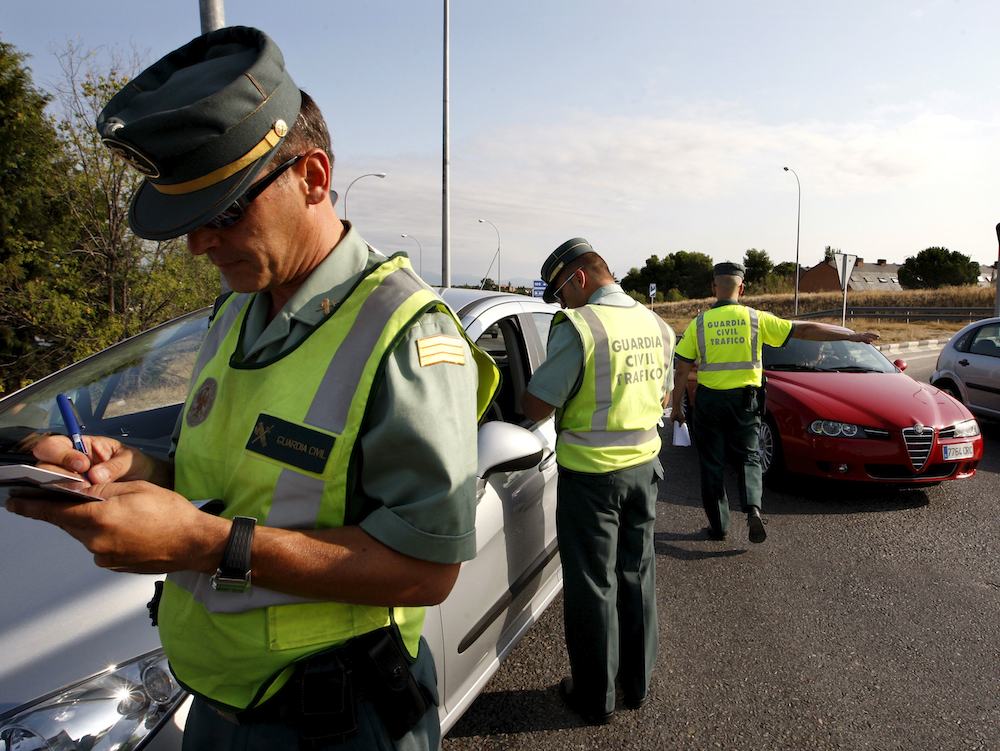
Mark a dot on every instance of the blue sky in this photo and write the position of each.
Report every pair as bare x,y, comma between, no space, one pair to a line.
645,126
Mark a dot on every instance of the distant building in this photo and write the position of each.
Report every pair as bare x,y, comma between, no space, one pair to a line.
864,276
987,275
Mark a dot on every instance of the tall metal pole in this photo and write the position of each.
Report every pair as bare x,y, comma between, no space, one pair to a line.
420,248
996,282
798,221
499,277
445,194
213,15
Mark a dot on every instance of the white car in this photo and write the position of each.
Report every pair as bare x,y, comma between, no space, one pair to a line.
968,367
80,665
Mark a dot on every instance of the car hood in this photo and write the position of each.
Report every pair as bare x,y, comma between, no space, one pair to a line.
63,619
878,400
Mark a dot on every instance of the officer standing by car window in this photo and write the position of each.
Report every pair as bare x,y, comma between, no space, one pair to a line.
726,342
607,376
294,616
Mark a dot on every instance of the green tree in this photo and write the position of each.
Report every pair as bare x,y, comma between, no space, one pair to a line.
758,265
689,273
937,267
96,282
828,253
34,233
785,269
692,274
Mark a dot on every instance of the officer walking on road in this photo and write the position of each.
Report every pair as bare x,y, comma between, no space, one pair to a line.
607,376
295,615
726,342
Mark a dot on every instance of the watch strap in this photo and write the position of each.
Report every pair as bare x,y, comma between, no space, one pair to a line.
233,574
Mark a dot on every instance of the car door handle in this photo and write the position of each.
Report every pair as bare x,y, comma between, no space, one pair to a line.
547,462
963,361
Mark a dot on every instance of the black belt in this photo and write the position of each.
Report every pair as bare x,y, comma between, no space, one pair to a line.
321,697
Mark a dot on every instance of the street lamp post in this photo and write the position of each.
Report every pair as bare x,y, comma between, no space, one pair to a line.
798,221
367,174
497,254
420,248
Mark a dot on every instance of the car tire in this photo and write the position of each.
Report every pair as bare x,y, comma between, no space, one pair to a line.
951,390
769,450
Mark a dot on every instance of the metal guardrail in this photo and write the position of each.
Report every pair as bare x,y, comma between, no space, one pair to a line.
903,313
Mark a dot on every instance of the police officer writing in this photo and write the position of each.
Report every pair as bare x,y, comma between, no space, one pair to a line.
726,342
607,376
295,615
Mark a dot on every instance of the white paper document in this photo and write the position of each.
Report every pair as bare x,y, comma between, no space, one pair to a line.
682,436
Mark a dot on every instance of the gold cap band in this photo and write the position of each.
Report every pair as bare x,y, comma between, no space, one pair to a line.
267,143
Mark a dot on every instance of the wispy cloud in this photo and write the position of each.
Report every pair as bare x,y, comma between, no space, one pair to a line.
641,185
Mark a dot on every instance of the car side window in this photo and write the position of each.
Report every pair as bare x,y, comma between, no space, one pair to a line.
986,341
543,322
504,342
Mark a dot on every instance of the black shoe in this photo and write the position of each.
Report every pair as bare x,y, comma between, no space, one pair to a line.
711,534
572,701
634,703
756,526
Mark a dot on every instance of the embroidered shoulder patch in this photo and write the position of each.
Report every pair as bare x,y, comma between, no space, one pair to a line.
440,348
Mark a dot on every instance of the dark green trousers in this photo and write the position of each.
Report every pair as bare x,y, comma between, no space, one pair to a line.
727,426
605,527
207,730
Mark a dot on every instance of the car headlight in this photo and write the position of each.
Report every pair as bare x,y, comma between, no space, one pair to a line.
834,429
966,429
115,709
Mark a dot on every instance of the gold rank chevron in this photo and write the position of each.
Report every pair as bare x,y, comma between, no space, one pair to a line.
440,348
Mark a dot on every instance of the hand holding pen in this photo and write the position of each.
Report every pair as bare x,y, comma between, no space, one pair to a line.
72,424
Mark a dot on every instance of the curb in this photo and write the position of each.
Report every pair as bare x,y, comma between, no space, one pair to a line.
906,346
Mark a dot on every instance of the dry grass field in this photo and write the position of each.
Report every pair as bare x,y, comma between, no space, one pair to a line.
679,314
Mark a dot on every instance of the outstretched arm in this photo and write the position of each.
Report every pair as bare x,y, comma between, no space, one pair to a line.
825,332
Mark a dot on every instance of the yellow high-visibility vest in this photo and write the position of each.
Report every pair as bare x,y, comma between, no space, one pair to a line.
610,423
276,441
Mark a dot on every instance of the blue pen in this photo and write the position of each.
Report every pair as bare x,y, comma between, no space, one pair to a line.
69,418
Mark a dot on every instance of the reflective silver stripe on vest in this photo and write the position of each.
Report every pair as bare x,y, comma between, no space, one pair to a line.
301,500
602,369
298,497
608,438
213,340
752,364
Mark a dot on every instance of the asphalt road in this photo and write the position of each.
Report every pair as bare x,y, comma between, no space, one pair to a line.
869,619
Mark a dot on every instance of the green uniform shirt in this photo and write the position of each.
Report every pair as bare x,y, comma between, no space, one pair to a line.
558,378
417,454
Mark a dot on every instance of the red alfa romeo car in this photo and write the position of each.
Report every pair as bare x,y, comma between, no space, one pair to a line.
841,410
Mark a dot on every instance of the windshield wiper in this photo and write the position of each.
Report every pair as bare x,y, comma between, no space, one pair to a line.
854,369
794,366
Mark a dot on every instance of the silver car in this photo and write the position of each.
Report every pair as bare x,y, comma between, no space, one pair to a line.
80,665
968,367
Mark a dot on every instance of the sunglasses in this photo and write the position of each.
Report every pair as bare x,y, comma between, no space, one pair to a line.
557,290
235,211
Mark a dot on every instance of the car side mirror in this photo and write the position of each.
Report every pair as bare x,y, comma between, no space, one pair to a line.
506,448
901,364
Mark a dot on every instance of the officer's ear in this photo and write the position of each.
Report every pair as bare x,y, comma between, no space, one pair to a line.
317,172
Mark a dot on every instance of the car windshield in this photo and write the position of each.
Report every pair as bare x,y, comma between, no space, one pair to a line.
127,391
826,357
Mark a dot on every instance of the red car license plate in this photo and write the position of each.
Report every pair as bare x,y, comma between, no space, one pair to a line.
954,452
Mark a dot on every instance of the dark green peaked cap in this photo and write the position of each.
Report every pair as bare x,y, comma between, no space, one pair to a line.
729,268
557,260
200,124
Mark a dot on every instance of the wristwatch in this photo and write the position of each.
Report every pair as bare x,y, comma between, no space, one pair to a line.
233,574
